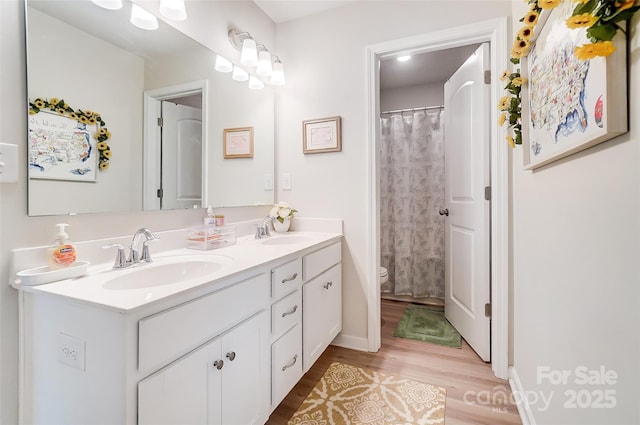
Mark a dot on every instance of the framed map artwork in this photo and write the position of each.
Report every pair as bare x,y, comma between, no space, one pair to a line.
567,104
61,148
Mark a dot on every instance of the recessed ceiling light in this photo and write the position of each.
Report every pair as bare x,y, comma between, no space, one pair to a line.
403,58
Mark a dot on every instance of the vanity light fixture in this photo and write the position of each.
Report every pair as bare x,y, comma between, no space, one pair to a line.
222,64
239,74
277,74
264,68
109,4
255,83
143,19
173,9
249,53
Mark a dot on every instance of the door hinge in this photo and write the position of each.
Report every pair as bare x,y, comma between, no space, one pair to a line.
487,310
487,193
160,122
159,193
487,76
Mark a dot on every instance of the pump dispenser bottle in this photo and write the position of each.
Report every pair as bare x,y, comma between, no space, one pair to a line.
61,253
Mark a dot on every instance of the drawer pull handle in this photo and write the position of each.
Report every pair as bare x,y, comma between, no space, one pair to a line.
231,356
218,364
287,279
328,284
293,310
291,363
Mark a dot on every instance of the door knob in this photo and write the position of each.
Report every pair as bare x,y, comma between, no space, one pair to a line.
444,211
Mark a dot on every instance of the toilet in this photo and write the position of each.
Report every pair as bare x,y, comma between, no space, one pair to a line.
384,275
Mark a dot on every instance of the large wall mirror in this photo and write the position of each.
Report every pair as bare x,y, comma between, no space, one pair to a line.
127,78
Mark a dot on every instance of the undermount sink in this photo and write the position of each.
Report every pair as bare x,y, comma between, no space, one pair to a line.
159,274
285,240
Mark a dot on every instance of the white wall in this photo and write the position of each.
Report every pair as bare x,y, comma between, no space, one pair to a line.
324,58
19,230
55,48
576,249
412,97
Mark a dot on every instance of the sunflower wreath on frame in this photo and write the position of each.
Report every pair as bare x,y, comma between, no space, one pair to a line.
86,117
601,18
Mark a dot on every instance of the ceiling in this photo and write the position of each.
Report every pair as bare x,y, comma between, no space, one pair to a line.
282,11
423,68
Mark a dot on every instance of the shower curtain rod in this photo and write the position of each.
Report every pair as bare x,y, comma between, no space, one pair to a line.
423,108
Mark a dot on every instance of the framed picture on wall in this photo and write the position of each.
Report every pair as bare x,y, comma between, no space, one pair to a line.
238,142
569,104
321,135
61,148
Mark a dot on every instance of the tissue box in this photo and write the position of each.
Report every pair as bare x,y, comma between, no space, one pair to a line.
211,237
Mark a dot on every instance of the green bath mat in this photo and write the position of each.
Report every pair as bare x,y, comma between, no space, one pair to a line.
424,324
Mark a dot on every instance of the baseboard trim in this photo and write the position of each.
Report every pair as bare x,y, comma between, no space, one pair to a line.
352,342
524,410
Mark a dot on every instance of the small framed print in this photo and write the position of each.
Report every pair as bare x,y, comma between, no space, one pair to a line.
321,135
238,142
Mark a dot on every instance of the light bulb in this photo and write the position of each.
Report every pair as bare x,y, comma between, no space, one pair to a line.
239,74
173,9
277,75
222,64
255,83
109,4
249,54
143,19
264,64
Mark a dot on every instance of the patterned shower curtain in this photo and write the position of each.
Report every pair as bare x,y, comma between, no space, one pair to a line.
412,192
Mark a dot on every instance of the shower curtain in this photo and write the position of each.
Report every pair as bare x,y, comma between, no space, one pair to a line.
411,194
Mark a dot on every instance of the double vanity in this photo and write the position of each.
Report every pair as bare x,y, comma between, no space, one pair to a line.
194,337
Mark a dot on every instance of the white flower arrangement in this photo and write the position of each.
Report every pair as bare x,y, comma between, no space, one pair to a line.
282,210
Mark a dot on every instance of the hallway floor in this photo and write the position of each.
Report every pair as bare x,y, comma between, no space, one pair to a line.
474,394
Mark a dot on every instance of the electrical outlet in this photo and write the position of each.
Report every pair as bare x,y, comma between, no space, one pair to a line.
71,351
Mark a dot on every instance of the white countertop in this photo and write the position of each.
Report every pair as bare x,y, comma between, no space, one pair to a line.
246,254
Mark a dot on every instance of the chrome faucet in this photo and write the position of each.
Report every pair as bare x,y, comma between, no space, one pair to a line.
133,248
263,230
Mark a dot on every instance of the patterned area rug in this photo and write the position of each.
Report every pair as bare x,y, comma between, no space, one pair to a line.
349,395
425,324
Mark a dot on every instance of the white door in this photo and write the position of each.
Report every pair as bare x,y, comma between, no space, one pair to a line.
181,156
467,132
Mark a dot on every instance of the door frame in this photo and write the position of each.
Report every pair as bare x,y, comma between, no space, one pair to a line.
495,32
153,138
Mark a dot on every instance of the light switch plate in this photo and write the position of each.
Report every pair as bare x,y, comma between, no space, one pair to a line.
8,163
286,181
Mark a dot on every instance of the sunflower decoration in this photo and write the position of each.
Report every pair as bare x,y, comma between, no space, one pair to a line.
600,18
60,107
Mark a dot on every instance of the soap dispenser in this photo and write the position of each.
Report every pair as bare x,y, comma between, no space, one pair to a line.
61,253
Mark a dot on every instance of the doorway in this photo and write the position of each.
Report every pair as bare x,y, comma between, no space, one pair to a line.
494,32
175,135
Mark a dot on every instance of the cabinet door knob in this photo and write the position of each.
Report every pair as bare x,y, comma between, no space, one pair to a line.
444,211
218,364
231,356
293,310
291,363
328,285
290,278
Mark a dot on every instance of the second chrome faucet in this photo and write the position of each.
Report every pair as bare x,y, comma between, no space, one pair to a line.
134,256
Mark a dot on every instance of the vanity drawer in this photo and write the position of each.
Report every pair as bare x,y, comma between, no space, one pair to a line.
286,278
286,364
321,260
170,334
286,313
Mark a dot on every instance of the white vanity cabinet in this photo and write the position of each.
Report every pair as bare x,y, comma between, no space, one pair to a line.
222,382
322,301
286,329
